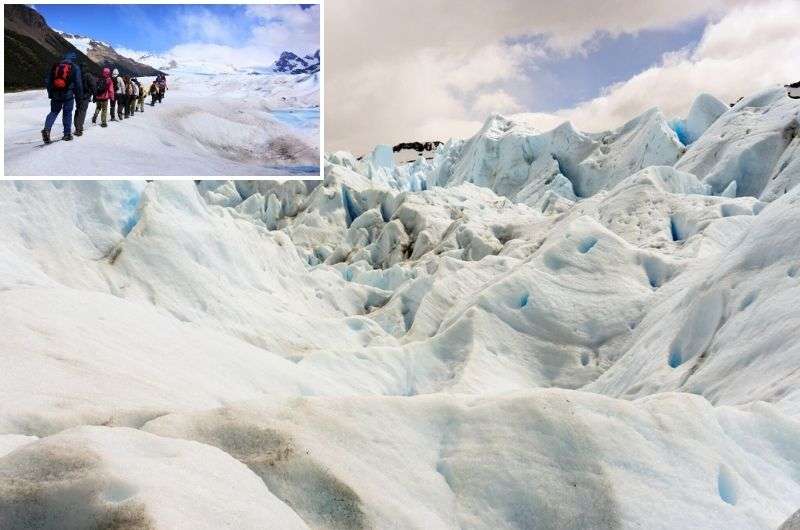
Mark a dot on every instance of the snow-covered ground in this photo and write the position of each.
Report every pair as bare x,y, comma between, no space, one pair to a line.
208,125
532,330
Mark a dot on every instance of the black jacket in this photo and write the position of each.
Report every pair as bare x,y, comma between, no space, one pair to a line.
89,85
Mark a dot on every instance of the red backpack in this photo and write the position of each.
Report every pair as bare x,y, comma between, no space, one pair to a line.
61,73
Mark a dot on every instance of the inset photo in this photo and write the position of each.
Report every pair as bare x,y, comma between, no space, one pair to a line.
162,90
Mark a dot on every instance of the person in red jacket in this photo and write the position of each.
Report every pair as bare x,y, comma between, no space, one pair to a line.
105,93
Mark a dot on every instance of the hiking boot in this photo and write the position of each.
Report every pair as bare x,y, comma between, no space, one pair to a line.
78,133
104,124
112,118
46,136
67,137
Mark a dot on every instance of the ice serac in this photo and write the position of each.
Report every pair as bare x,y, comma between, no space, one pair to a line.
705,110
516,160
755,144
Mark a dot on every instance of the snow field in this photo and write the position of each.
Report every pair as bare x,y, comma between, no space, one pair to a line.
203,127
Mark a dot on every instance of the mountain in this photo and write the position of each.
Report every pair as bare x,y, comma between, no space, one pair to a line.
105,55
32,47
290,63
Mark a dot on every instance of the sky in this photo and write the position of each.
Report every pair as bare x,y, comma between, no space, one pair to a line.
435,69
244,34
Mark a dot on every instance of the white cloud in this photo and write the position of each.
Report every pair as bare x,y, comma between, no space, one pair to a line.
541,120
255,39
416,96
128,52
286,27
478,67
204,26
498,101
400,70
751,48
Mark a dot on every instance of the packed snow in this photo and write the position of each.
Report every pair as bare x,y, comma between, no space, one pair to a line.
531,330
208,125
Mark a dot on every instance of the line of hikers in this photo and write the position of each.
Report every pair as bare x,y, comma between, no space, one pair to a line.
70,84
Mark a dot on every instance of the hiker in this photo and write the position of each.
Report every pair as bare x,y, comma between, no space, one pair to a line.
119,95
82,104
63,84
142,95
126,90
134,95
153,93
103,95
129,91
162,83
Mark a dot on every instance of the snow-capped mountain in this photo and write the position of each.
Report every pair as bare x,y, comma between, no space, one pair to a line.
531,330
82,43
104,54
289,63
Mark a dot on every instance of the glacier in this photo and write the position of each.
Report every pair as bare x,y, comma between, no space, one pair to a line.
531,330
215,120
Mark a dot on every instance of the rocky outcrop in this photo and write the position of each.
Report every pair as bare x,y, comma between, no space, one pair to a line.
290,63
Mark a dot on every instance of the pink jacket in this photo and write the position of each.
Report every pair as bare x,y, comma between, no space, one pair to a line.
109,91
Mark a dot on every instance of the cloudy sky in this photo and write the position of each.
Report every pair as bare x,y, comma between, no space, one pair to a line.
242,35
400,70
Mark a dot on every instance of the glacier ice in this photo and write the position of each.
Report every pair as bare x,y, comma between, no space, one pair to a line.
102,477
704,112
531,330
752,145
